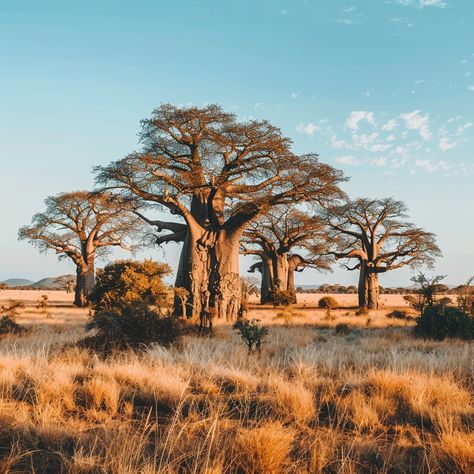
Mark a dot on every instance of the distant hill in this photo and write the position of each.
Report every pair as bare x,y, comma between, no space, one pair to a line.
49,282
12,282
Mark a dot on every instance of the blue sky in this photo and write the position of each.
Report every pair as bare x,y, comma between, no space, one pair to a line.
382,89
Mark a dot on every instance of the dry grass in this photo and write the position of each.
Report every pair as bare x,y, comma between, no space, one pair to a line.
372,400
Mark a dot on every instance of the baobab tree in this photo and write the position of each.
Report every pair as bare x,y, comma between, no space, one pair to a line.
374,232
285,240
216,174
81,226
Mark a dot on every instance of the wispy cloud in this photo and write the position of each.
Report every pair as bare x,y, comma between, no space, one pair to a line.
415,121
308,129
422,3
348,160
357,116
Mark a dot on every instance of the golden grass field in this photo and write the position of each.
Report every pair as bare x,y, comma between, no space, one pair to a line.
373,400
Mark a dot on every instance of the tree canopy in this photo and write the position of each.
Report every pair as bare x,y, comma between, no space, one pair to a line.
217,174
82,226
376,234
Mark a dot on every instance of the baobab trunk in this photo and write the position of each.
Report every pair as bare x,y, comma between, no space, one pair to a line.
372,290
368,289
85,282
192,274
293,262
225,286
362,286
266,287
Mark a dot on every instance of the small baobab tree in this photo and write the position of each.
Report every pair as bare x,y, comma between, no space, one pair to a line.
82,226
374,232
285,240
216,175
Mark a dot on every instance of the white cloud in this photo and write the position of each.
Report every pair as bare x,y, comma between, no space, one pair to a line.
445,144
335,143
381,161
283,12
463,127
348,160
432,3
422,3
431,166
471,87
358,115
258,105
308,129
415,121
364,139
354,20
379,147
390,125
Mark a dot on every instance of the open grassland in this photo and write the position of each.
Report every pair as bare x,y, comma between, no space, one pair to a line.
369,398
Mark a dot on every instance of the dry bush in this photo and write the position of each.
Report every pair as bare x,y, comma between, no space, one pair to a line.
328,302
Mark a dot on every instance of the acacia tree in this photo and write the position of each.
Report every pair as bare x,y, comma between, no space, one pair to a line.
81,226
285,240
216,174
374,233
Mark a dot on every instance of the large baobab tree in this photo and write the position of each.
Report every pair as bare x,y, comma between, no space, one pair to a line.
375,234
285,240
216,174
81,226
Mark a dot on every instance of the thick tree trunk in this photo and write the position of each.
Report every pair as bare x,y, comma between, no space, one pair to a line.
362,286
372,290
368,287
293,263
266,287
192,274
225,286
85,281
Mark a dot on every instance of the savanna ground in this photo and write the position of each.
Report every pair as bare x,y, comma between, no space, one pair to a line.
321,397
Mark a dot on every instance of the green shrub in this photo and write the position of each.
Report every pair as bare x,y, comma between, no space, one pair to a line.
134,325
124,282
439,322
128,301
328,302
251,333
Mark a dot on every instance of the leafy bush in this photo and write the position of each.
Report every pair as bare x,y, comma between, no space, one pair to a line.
8,325
251,333
439,322
328,302
133,325
283,297
128,300
124,282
